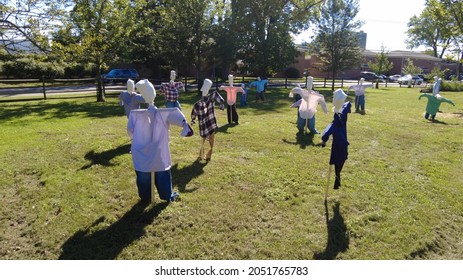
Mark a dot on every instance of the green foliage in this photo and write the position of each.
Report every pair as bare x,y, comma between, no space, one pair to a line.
292,72
382,64
410,68
336,42
30,67
455,86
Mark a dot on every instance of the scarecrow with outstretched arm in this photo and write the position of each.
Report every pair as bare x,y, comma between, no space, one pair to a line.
338,129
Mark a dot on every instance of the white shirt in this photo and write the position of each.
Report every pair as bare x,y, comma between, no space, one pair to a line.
359,89
308,104
149,130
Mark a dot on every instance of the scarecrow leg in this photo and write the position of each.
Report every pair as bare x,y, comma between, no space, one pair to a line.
211,144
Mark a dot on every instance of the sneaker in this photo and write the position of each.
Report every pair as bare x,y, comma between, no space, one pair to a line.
174,196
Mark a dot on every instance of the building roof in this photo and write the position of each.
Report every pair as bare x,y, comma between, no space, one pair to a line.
404,54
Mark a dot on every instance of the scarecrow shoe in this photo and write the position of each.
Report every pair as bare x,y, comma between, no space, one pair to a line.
337,182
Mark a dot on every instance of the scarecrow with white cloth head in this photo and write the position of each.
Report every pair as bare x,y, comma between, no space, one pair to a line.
434,100
149,130
359,91
130,99
308,106
338,128
204,110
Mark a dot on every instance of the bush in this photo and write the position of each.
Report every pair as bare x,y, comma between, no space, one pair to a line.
451,86
292,72
30,68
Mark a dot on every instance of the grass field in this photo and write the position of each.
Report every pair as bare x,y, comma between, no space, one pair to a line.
68,186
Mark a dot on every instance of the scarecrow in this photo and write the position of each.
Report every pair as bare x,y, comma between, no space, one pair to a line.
204,110
434,100
338,128
171,91
149,130
260,85
359,91
232,114
307,106
130,99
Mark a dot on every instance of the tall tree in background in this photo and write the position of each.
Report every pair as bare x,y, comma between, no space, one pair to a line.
336,42
185,33
97,31
382,64
455,9
434,28
25,23
268,25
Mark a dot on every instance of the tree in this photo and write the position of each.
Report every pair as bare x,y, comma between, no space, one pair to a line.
96,32
455,9
433,28
382,64
266,34
25,24
336,42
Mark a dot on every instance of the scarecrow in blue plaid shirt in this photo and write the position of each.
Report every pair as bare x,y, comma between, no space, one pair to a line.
204,110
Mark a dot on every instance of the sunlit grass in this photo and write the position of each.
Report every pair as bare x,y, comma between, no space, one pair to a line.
68,185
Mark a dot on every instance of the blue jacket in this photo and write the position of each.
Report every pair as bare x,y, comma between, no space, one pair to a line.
338,128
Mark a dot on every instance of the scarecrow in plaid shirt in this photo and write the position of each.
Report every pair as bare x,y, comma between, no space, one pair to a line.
170,90
204,110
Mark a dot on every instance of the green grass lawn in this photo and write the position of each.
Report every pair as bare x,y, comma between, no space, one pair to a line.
68,186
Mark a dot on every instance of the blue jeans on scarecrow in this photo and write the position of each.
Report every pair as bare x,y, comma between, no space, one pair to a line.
310,124
162,181
173,104
360,103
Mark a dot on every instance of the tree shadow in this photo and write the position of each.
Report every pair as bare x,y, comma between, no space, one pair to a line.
60,110
303,140
338,238
183,176
107,243
104,158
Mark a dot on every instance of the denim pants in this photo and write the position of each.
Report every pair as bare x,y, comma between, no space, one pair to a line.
173,104
360,102
162,181
310,124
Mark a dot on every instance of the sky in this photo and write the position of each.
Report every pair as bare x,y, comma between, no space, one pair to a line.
385,22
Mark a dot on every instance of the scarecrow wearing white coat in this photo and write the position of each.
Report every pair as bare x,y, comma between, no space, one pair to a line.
149,130
308,106
359,91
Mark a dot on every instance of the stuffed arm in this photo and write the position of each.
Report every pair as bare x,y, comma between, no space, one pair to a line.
296,104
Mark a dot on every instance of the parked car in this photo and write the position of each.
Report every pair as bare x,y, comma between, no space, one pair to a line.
415,80
454,76
369,76
394,78
120,75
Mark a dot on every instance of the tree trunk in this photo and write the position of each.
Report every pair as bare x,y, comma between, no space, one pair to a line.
100,97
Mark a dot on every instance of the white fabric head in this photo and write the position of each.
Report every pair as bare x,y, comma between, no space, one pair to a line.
147,90
173,75
230,80
130,86
206,86
309,83
361,81
339,97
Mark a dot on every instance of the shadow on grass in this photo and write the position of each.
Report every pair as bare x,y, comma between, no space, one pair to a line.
303,140
107,243
104,158
338,238
183,176
60,110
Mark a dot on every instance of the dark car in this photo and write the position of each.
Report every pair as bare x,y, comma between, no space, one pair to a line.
121,75
368,76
